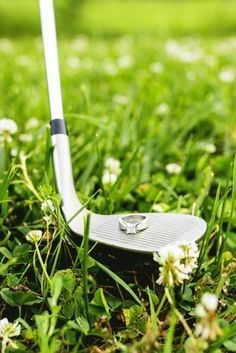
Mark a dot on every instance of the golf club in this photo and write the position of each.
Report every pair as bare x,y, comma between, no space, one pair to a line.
146,232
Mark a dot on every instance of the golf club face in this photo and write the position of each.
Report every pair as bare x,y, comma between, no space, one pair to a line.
163,229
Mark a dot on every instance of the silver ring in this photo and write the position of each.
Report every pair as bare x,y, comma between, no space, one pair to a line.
133,223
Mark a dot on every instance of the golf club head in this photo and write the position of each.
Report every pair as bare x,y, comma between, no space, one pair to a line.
163,229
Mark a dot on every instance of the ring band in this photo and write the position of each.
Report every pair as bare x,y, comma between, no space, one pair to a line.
133,223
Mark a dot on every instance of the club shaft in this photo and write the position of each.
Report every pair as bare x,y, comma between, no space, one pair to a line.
60,141
51,58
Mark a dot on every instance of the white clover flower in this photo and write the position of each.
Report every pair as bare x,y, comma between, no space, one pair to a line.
207,147
227,76
162,109
190,255
110,68
172,272
226,46
167,252
34,236
8,126
156,67
203,331
24,60
6,46
47,206
113,165
25,137
73,62
173,168
200,311
80,44
176,263
125,61
172,48
14,152
208,326
120,99
48,219
109,178
189,56
209,301
183,53
32,123
8,330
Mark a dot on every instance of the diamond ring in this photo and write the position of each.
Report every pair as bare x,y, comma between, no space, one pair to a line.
133,223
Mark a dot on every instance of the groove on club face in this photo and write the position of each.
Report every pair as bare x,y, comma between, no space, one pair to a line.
166,228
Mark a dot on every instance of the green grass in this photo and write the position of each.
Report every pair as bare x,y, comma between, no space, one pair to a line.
114,17
170,17
147,101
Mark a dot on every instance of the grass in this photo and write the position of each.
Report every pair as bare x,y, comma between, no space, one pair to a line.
116,17
169,17
147,101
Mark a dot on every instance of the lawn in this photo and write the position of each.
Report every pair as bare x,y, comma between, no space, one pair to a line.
151,117
116,17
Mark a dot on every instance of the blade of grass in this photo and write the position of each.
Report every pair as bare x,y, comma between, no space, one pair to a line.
81,208
219,236
152,309
168,348
85,266
124,172
227,333
48,152
6,181
90,119
211,224
204,191
153,313
232,209
100,171
118,280
4,197
56,255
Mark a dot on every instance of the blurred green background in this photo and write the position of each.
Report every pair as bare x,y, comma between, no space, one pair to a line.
114,17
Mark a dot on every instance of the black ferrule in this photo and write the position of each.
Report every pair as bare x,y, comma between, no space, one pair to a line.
58,126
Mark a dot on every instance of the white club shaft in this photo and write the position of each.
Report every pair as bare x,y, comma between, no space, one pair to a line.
51,58
60,141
